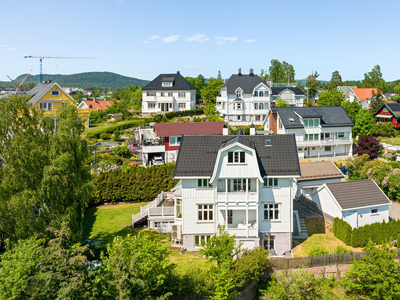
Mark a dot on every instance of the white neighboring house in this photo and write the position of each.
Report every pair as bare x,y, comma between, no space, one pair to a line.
167,93
243,183
363,96
320,131
358,202
294,96
244,100
315,174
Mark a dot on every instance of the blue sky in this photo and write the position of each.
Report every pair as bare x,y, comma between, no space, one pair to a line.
145,38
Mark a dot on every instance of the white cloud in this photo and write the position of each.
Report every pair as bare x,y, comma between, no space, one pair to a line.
220,40
171,39
200,38
249,41
145,42
10,49
154,37
1,46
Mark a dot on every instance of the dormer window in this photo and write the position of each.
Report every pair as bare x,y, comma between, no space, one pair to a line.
256,94
239,93
167,84
311,122
236,157
261,93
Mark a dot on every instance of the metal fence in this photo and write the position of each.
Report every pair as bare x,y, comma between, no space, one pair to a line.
318,261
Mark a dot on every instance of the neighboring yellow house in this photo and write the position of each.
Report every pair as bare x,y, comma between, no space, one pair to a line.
51,97
115,117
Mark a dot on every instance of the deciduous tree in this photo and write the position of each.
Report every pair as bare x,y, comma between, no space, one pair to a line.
336,80
352,109
312,84
364,123
330,98
368,145
210,92
281,103
374,79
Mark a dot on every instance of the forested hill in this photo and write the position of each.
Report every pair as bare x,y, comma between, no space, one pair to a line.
87,81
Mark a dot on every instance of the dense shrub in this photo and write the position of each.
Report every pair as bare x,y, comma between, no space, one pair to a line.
317,250
105,136
95,134
163,118
341,249
368,145
383,129
137,184
378,233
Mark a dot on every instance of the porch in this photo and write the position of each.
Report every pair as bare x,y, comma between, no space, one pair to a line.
239,221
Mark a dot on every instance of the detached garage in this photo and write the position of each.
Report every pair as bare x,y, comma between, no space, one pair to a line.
358,202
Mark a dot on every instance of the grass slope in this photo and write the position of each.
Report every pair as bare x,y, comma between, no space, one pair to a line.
104,222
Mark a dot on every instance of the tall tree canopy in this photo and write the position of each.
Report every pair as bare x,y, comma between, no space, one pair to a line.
211,90
279,72
364,123
374,79
312,84
330,98
43,178
199,82
336,80
352,109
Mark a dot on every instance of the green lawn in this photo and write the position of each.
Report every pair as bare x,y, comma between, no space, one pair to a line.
104,222
393,141
320,234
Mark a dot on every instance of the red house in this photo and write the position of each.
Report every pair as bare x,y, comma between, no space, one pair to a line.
389,112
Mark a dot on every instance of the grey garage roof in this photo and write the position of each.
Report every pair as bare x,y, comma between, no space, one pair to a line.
179,83
319,170
331,116
246,82
198,154
357,193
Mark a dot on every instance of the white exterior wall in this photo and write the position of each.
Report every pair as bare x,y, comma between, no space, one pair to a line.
364,216
326,203
189,100
297,186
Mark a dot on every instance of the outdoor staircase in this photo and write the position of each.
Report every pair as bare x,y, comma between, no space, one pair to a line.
304,233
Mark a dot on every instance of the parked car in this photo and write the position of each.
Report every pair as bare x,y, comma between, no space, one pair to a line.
158,161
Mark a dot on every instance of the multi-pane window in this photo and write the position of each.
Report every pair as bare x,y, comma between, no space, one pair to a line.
255,105
239,94
151,105
256,94
175,140
201,240
311,137
261,106
311,122
203,183
340,134
237,106
236,157
46,106
55,93
271,211
271,182
240,184
166,84
205,212
269,242
182,105
151,93
178,206
181,94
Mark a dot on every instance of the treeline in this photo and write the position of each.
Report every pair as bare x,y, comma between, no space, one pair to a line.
86,81
378,233
137,184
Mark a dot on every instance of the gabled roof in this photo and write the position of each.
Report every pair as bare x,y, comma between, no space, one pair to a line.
319,170
393,107
246,82
198,154
40,89
345,89
168,129
179,83
365,94
331,116
357,193
277,90
96,105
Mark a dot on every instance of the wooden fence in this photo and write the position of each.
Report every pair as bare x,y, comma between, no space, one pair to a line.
318,261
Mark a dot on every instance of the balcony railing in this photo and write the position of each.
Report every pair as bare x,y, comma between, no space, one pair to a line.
324,142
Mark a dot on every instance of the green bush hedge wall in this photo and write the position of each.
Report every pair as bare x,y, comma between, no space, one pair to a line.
378,233
137,184
95,134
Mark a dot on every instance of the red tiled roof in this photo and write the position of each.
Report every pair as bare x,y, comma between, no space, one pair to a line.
167,129
364,94
98,104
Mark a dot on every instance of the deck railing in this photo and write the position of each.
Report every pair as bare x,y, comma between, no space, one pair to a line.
145,210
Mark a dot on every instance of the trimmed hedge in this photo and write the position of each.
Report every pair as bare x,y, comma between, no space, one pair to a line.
95,134
137,184
378,233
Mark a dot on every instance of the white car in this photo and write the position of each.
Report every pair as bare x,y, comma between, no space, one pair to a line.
158,161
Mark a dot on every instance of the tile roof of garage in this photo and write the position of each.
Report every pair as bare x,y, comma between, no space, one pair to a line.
319,170
198,154
168,129
357,193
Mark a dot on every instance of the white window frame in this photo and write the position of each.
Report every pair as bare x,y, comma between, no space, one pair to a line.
181,94
150,93
270,240
236,157
271,182
178,205
272,211
203,183
151,105
374,211
181,105
205,212
199,238
260,94
328,148
46,105
240,184
175,140
170,94
55,93
166,84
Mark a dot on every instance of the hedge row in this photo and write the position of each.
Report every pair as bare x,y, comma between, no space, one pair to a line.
137,184
95,134
378,233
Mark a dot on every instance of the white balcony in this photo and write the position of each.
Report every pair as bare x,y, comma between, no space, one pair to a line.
153,149
325,142
237,196
243,232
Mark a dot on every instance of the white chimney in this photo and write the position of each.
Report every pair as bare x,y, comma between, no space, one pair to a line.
225,130
252,131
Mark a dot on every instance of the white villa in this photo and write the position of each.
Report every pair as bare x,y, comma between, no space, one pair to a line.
167,93
244,100
319,131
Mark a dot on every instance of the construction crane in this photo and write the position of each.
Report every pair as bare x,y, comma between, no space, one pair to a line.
20,84
41,57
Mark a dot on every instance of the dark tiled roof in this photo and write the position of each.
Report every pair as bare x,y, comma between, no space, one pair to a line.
179,83
198,153
357,193
395,108
246,82
319,170
331,116
167,129
277,90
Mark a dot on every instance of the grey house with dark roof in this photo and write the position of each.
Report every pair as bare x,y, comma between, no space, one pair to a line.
320,131
358,202
167,93
244,99
243,183
294,96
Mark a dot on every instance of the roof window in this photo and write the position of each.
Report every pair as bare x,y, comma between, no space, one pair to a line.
268,143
